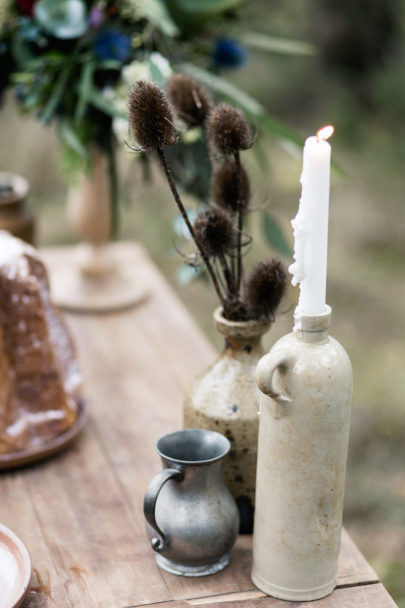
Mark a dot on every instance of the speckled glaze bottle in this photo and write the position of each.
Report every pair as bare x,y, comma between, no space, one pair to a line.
306,380
225,398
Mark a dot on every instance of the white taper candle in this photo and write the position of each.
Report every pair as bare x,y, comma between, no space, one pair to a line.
311,227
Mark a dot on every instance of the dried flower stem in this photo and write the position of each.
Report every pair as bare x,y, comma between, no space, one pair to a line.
169,176
240,227
230,283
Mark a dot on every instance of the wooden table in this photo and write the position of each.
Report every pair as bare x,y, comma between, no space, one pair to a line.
80,514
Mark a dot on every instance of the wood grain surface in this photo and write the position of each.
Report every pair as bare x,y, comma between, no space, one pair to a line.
80,513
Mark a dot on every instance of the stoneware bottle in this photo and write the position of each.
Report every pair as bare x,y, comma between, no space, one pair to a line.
225,398
306,380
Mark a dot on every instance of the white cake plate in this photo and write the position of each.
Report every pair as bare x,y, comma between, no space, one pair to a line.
15,569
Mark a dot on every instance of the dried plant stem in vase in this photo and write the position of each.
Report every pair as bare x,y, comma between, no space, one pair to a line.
224,397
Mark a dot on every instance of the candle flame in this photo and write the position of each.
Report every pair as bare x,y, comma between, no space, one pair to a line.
325,132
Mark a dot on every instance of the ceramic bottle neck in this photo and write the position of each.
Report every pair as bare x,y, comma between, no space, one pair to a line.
313,329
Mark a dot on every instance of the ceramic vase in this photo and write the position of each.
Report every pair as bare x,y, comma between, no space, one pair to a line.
15,215
225,398
306,381
98,281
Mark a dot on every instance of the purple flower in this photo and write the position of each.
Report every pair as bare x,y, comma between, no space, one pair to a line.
111,43
229,54
96,17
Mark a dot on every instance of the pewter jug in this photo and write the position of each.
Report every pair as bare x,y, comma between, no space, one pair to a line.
306,381
193,519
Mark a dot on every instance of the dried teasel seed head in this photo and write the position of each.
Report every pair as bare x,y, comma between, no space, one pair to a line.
151,117
235,310
190,100
214,231
229,129
231,186
265,288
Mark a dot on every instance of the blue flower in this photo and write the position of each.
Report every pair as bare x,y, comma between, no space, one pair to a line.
111,43
229,54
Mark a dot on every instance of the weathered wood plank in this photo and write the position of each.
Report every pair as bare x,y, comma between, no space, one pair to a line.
96,555
362,596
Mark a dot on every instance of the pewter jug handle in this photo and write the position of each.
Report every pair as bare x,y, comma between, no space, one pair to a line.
265,372
149,503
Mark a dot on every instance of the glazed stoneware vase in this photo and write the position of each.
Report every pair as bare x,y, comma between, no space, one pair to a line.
306,380
225,398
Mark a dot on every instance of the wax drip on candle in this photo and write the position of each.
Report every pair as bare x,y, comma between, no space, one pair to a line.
313,201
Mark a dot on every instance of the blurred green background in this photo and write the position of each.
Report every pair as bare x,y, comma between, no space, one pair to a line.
355,81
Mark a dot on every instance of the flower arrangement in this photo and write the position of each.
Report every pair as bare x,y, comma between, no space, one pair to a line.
217,230
70,60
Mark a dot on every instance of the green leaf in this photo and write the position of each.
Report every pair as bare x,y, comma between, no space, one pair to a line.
275,236
21,51
71,140
96,98
22,77
264,42
207,6
191,168
57,94
159,68
85,84
109,64
156,13
187,274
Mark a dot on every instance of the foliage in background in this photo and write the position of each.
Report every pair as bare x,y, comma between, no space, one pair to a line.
70,62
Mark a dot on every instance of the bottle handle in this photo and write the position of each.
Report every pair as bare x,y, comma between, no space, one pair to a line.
149,504
265,370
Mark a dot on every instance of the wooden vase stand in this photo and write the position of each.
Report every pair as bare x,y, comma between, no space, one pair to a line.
96,279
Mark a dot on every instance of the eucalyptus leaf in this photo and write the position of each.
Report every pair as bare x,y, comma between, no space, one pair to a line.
97,99
159,68
273,44
63,19
31,101
22,77
21,51
156,13
71,140
187,274
57,94
85,84
180,227
275,236
191,168
109,64
206,6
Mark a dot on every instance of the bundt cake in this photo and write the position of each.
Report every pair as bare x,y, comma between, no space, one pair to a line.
39,376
